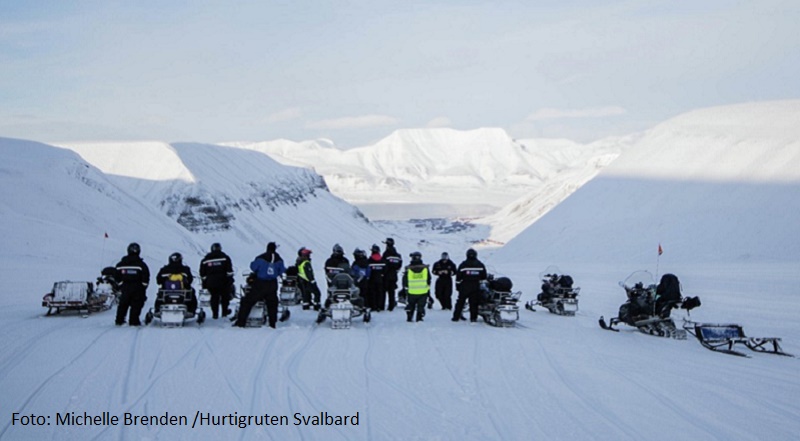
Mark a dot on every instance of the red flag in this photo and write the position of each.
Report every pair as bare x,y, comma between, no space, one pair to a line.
105,235
660,251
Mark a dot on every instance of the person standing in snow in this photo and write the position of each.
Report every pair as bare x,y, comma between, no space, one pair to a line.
133,276
266,269
216,274
469,275
417,285
394,263
376,291
444,269
336,264
360,272
308,284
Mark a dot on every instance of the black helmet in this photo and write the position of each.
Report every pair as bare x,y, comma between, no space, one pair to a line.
338,250
389,241
175,258
375,248
445,256
358,253
416,255
216,247
134,249
472,254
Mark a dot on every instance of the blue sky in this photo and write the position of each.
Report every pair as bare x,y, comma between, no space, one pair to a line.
354,71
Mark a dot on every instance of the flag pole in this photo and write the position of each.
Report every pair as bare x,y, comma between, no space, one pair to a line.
658,258
103,252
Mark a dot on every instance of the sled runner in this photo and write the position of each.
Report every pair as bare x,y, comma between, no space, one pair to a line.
724,338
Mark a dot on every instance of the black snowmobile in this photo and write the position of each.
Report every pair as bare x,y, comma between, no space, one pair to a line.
558,294
344,303
648,306
498,305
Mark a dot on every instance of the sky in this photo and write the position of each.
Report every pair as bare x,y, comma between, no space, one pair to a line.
354,71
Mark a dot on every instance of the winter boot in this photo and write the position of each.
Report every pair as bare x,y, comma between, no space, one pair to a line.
410,315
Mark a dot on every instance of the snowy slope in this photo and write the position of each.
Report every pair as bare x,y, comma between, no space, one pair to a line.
575,165
551,378
235,196
717,184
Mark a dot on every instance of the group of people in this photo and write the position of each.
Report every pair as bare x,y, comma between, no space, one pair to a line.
376,275
133,277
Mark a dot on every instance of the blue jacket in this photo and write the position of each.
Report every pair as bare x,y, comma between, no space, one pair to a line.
268,266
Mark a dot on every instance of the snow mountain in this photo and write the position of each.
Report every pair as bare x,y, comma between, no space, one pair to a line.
231,195
436,172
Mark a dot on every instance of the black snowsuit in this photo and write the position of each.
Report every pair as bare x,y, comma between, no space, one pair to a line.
133,276
376,288
336,264
216,272
444,269
394,263
178,269
469,275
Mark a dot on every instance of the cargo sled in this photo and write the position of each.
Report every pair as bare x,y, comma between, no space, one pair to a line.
83,297
725,338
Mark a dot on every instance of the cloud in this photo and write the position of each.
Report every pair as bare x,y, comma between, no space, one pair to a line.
284,115
354,122
595,112
441,121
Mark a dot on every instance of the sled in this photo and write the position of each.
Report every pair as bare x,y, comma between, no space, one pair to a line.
724,338
77,296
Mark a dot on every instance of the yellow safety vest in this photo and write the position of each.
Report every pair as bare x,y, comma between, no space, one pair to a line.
301,270
418,282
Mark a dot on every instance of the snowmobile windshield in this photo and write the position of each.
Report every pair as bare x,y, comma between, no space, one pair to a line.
639,279
549,271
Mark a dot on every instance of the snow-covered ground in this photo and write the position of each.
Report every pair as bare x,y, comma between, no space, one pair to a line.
724,211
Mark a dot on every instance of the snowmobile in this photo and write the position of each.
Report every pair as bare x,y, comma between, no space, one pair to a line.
289,293
173,307
558,295
83,297
648,307
344,303
498,306
724,338
258,314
